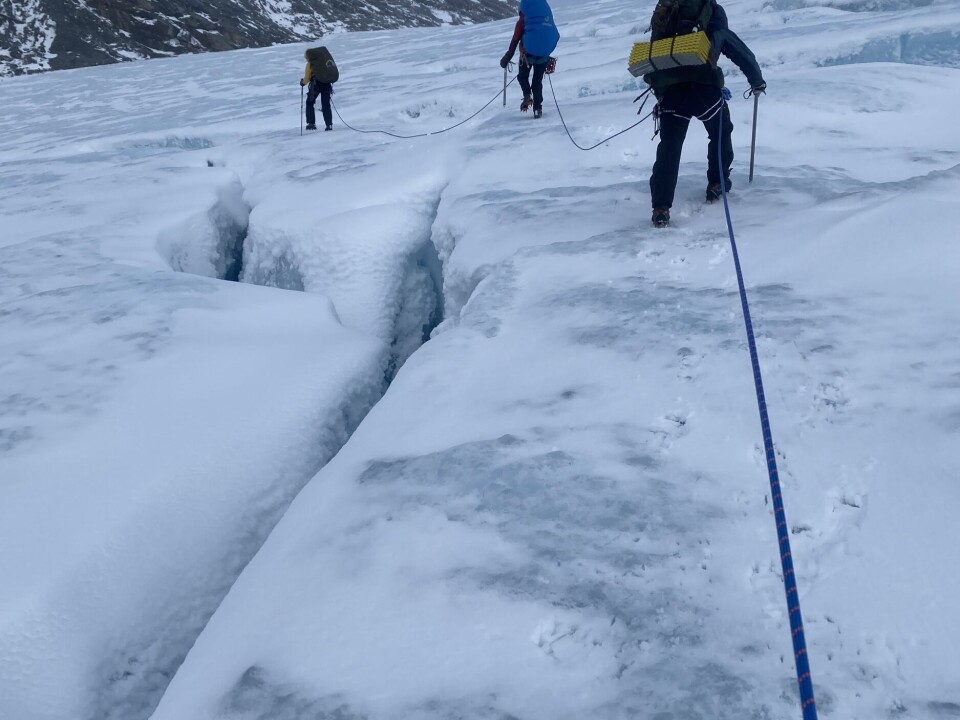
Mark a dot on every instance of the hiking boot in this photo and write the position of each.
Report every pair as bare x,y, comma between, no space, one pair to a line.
537,113
311,126
715,192
526,103
661,217
328,128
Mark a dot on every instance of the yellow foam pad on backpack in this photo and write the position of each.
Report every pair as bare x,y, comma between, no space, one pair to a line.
691,49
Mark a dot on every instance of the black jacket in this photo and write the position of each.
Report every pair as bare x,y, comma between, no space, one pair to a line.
723,41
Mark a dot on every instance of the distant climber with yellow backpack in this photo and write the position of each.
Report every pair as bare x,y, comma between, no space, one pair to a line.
689,91
320,74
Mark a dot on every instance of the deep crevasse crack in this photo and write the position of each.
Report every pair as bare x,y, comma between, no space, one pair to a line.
215,243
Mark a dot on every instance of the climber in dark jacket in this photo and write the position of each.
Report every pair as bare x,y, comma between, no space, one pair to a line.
696,91
316,89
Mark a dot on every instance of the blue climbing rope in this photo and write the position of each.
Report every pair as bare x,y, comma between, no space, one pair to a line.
804,679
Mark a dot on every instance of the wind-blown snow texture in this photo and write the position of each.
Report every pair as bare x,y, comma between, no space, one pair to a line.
559,507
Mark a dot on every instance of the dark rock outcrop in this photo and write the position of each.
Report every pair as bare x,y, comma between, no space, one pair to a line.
42,35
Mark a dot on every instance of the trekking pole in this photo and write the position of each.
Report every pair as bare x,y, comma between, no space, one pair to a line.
504,87
753,139
301,112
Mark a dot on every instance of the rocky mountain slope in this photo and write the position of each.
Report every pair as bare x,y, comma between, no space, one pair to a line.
42,35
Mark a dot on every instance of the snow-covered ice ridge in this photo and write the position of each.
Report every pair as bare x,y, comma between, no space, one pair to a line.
272,499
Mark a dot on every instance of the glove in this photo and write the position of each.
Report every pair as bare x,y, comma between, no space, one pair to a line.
505,60
759,89
302,83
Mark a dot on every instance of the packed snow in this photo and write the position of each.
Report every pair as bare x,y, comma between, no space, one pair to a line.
469,438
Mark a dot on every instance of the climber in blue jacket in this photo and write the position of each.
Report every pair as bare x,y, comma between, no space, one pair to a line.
537,36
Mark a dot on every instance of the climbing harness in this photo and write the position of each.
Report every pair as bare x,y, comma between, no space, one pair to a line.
704,117
808,703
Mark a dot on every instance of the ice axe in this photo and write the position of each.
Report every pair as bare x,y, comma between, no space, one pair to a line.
753,134
506,70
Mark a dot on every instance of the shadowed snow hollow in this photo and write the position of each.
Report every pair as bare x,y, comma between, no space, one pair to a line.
362,237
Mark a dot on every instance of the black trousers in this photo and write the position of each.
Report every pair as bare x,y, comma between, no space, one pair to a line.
678,105
523,76
324,90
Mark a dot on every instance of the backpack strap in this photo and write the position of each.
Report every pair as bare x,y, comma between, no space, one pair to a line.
706,14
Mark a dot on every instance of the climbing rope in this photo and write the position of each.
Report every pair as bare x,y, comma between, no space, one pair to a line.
426,134
593,147
804,679
488,104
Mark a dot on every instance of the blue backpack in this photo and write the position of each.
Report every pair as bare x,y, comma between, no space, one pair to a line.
540,34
